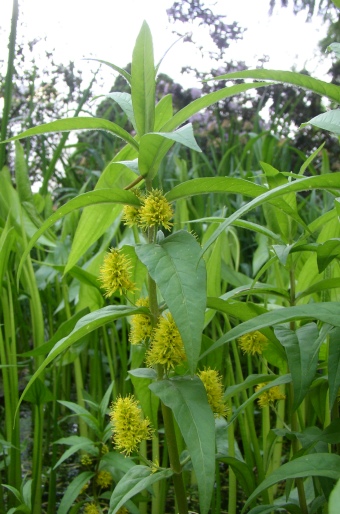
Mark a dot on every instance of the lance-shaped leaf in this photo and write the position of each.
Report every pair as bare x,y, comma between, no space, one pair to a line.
98,196
77,124
173,264
328,181
187,398
314,465
133,482
154,146
329,120
293,78
73,491
125,103
83,327
328,312
121,71
143,81
302,353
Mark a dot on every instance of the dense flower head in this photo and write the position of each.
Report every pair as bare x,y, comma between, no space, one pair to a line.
91,508
86,460
129,426
212,382
141,326
166,346
252,343
155,211
130,215
114,274
269,396
104,479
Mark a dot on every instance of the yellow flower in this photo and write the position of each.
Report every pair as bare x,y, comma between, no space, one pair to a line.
155,210
114,273
252,343
131,212
91,508
122,510
269,396
166,346
129,427
104,449
86,460
104,479
141,327
212,382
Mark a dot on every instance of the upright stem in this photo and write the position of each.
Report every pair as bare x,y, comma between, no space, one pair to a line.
170,434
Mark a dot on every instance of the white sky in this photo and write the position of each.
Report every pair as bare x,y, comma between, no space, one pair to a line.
107,29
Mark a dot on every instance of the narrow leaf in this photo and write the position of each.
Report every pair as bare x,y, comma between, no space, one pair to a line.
79,123
328,312
84,326
133,482
125,103
98,196
187,398
143,81
316,465
320,87
302,353
174,266
73,491
153,148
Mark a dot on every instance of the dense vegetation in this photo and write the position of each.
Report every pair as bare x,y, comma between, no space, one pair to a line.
169,322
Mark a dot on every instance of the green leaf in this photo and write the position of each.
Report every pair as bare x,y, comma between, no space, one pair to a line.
205,101
187,398
320,87
199,186
98,196
95,220
328,312
329,120
322,285
21,175
163,112
39,393
155,145
143,81
282,508
76,444
334,365
326,252
244,474
125,103
316,465
302,352
328,181
133,482
83,327
73,491
334,499
121,71
79,123
173,264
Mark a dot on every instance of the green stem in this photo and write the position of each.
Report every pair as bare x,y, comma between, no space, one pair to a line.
9,80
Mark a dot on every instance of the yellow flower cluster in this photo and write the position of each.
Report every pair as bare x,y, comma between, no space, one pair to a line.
129,427
155,210
269,396
141,326
86,460
114,274
104,479
212,382
252,343
91,508
166,346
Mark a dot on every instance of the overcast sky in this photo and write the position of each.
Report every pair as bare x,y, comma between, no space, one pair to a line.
107,29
